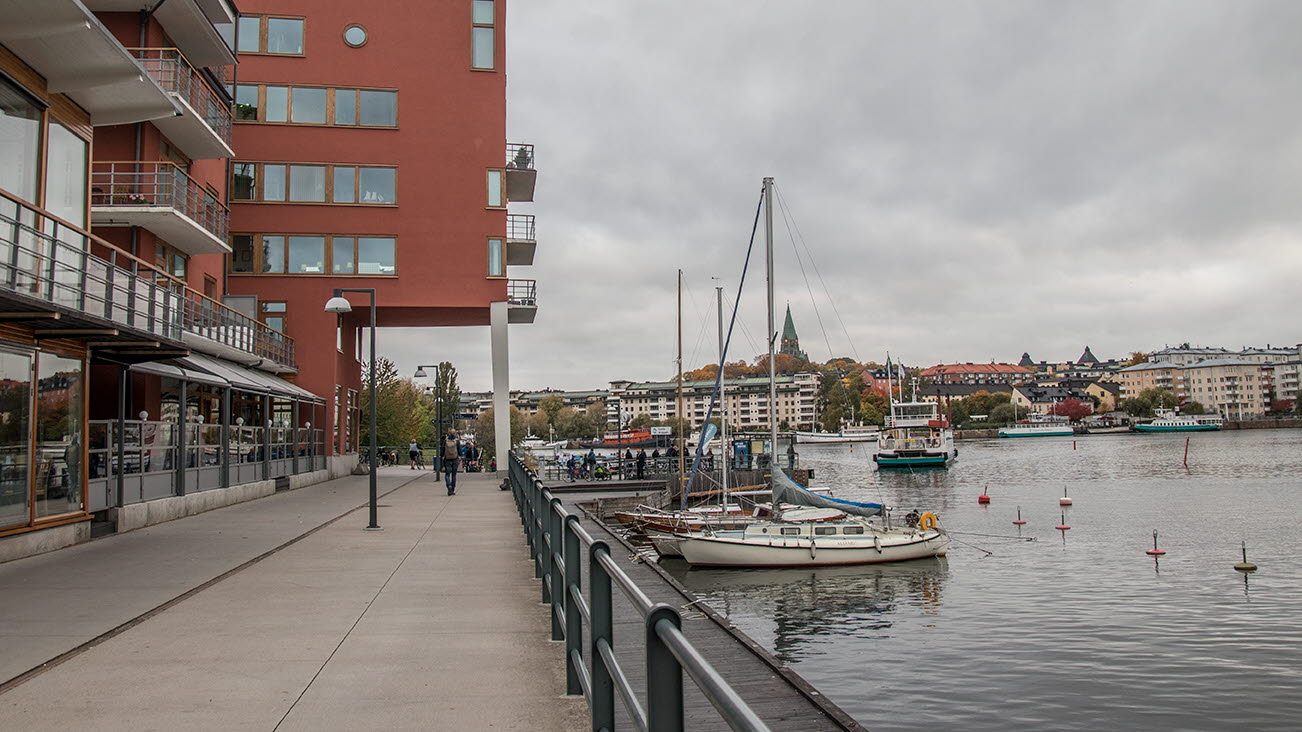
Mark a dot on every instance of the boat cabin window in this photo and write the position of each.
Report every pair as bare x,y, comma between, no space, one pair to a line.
852,530
824,530
790,532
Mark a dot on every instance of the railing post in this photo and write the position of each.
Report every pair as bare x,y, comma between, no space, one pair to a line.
558,580
535,525
664,674
545,546
603,689
573,620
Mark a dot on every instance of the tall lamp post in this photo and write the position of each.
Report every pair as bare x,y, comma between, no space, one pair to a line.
438,407
339,304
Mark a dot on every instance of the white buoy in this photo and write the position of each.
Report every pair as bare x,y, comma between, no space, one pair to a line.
1064,501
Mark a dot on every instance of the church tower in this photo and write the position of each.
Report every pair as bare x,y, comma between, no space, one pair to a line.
790,343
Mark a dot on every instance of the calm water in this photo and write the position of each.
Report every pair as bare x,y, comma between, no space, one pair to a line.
1076,630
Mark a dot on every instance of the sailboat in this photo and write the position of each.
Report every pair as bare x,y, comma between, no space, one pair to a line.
823,531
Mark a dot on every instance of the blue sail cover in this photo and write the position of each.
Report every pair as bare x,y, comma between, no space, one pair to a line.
789,491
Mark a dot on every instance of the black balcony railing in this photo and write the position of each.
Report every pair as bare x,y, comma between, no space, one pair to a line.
522,292
153,183
519,227
175,74
46,259
519,156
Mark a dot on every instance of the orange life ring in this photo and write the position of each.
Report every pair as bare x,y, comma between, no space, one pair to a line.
927,521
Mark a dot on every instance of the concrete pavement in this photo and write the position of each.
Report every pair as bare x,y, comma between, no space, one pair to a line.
290,619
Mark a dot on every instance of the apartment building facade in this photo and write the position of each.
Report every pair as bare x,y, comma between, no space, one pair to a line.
977,373
746,401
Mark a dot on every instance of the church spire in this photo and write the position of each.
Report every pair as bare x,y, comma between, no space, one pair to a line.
790,344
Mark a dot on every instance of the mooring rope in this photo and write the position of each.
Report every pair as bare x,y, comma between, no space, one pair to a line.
991,536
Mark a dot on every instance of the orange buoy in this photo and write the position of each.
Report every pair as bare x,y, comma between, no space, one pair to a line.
1019,520
983,498
1064,501
1155,552
1063,526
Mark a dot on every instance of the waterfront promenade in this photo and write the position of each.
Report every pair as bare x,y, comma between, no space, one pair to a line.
282,613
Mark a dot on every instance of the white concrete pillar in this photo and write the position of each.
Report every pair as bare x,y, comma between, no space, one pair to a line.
497,317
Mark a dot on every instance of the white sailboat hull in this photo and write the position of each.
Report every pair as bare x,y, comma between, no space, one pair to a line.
806,551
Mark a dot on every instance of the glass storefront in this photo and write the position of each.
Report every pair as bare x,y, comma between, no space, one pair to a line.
41,436
15,407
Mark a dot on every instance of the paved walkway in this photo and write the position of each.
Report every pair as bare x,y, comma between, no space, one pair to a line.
272,614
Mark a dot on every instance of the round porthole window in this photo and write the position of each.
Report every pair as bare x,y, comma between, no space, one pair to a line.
355,35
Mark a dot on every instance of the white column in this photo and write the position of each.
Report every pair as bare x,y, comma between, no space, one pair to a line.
497,316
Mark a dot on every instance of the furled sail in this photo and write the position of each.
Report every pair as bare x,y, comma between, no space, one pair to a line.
786,490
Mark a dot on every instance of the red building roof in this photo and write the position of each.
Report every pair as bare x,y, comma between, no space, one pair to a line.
975,368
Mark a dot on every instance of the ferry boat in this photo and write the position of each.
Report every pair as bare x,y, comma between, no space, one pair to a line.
1169,420
1039,425
915,436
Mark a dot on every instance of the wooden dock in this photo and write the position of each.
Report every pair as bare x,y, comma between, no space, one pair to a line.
780,696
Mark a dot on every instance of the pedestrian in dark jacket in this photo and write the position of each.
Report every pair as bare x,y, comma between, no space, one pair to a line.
450,457
641,464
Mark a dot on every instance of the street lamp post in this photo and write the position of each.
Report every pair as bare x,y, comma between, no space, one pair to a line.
339,304
438,408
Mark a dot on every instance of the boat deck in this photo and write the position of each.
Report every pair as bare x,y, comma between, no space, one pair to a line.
778,695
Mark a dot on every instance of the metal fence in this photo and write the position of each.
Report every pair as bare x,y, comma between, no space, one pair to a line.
173,72
555,540
136,183
213,320
519,227
519,156
522,292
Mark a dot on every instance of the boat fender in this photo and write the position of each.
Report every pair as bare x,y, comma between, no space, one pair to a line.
927,521
877,543
813,550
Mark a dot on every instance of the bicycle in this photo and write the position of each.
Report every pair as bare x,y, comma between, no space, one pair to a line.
419,462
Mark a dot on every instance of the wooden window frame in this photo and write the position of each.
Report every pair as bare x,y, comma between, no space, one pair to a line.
331,93
475,26
283,314
501,186
263,34
260,188
350,26
488,254
327,258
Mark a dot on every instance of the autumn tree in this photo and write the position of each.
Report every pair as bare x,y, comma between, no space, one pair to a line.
486,434
551,405
399,409
1001,414
1073,409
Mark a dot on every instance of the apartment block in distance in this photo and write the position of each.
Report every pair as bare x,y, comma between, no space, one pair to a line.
370,152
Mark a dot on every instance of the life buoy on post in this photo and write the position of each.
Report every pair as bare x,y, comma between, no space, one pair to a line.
927,521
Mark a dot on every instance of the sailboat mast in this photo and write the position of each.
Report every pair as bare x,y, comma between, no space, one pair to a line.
678,409
723,397
772,334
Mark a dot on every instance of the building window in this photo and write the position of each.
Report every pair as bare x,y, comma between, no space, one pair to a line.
313,254
496,260
65,175
355,35
271,35
170,260
273,314
291,183
20,129
483,35
315,105
496,188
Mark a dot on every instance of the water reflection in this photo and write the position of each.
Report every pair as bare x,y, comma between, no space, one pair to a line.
799,609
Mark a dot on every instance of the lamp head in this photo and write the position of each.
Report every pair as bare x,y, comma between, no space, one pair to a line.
420,373
338,304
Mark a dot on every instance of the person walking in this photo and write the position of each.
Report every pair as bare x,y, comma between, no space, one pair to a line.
641,463
413,453
450,457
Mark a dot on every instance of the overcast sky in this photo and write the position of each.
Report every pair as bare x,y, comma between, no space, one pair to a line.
969,180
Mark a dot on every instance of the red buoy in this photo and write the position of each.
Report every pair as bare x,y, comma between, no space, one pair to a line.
1063,526
1155,552
983,498
1019,520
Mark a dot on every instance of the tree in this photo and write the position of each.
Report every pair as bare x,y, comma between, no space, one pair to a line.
1073,409
571,424
1137,358
1192,407
486,435
1136,407
1001,414
551,405
443,401
596,413
641,421
399,411
538,425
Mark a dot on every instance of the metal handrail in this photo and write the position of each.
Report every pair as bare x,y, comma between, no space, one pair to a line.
137,183
555,540
49,259
519,156
173,72
522,292
519,227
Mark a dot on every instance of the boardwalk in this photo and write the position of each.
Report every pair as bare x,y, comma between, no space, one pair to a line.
283,614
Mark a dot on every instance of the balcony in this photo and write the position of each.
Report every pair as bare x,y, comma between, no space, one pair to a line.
520,173
191,24
203,129
65,43
522,301
520,242
160,197
134,311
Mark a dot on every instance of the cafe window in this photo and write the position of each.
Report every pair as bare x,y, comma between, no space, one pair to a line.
324,183
315,105
313,254
483,35
271,35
